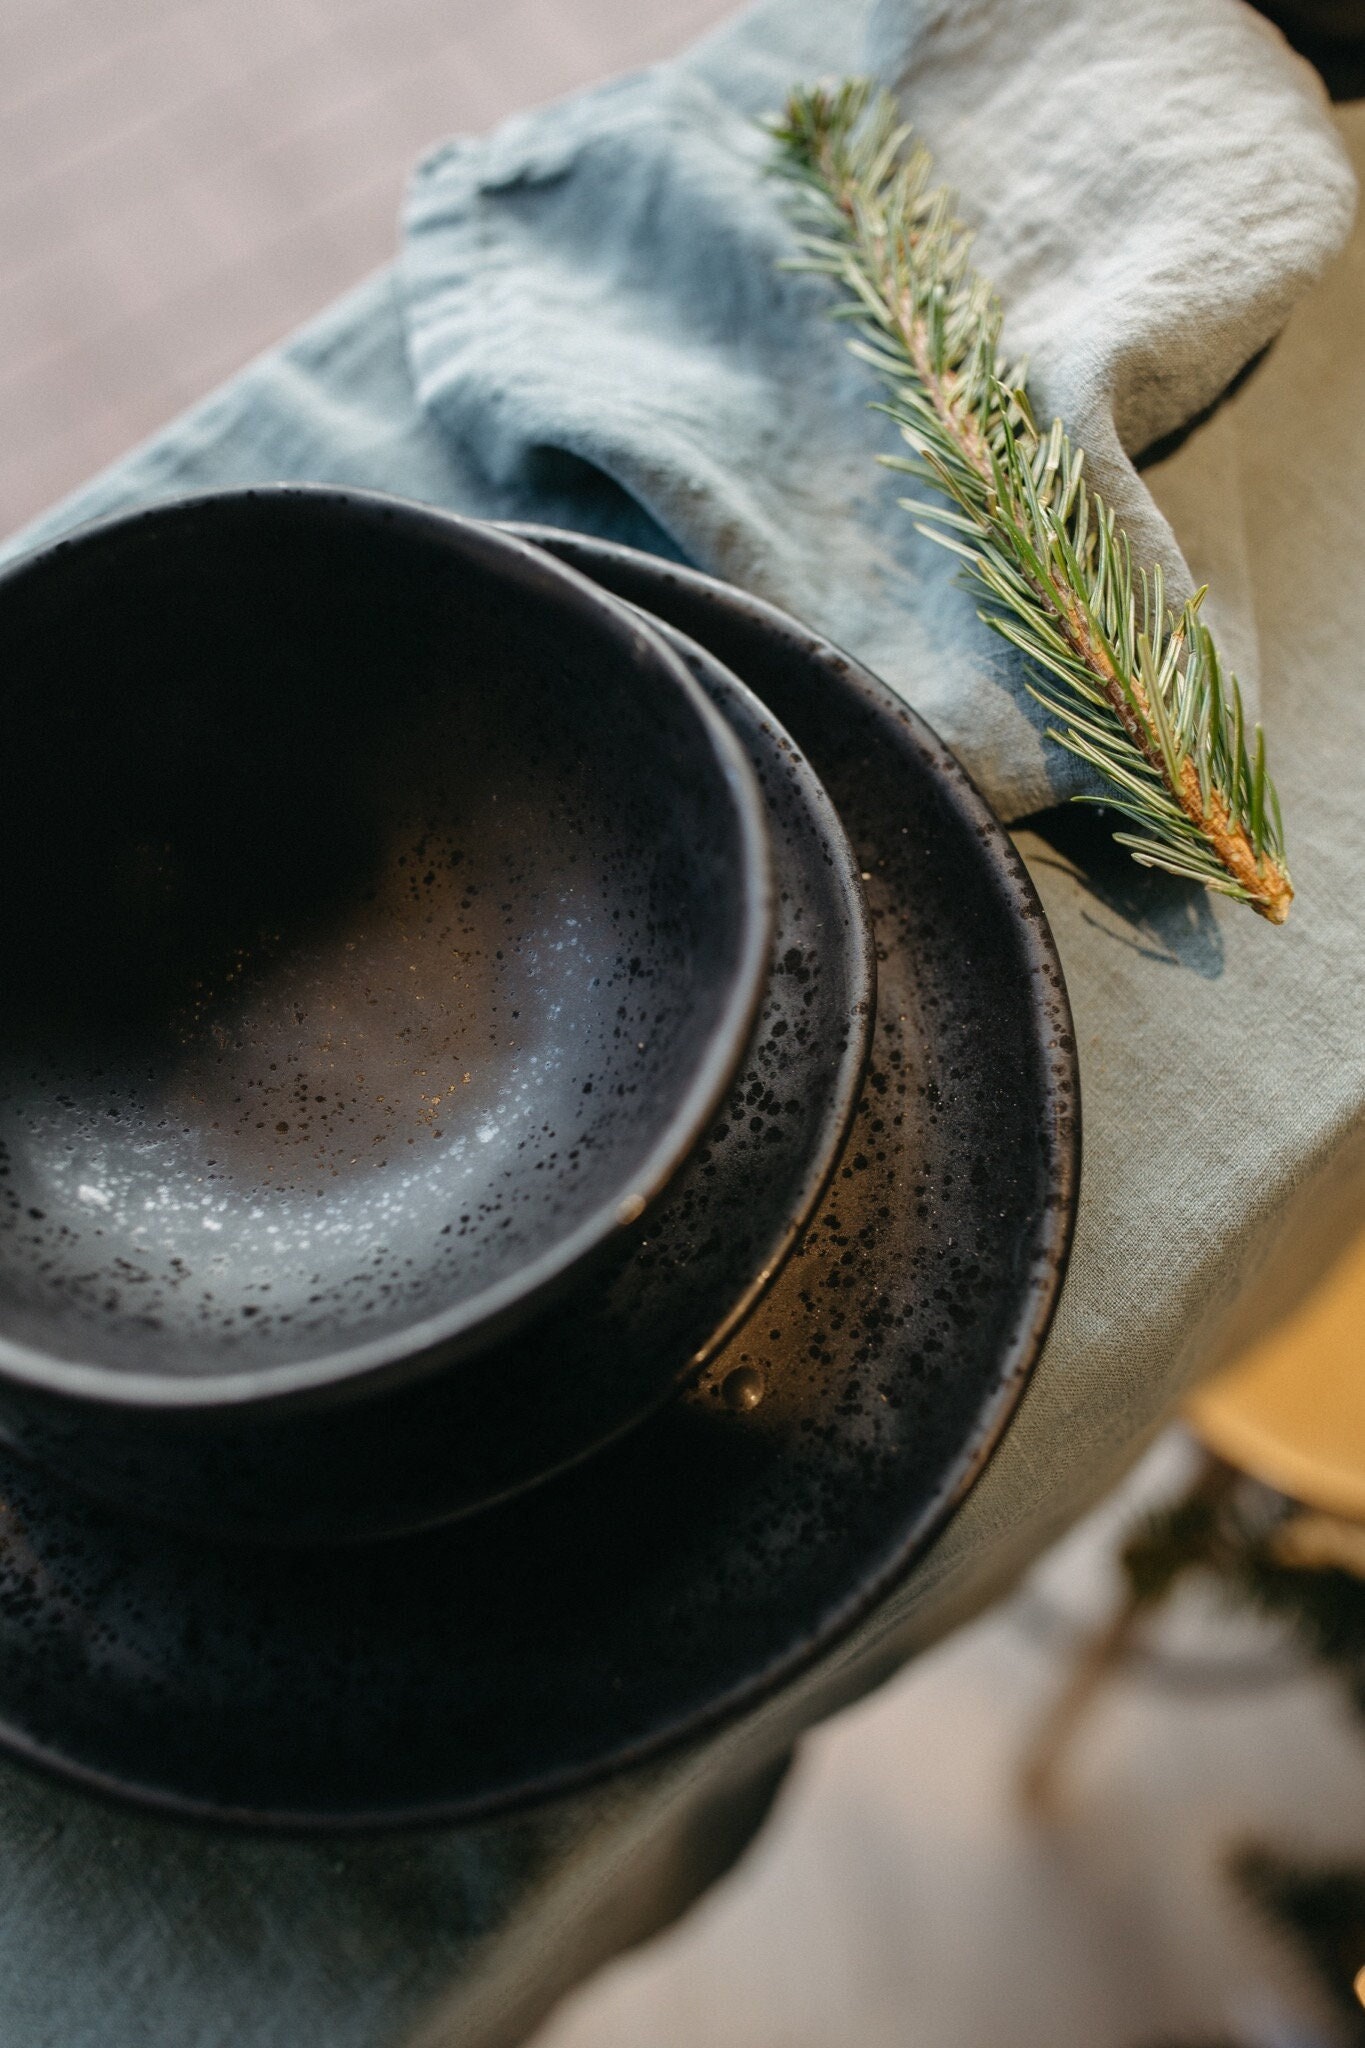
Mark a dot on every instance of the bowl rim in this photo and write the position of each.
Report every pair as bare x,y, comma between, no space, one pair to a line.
444,1338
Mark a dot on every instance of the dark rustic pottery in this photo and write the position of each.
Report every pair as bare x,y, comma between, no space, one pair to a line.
386,912
676,1579
654,1309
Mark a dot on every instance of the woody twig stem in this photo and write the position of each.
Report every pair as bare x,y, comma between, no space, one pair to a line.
1138,688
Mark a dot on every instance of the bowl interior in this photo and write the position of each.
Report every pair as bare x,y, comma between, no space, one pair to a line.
377,922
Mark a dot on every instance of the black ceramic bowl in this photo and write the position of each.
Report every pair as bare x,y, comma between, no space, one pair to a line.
385,914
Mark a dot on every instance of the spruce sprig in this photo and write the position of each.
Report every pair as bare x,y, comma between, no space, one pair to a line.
1137,687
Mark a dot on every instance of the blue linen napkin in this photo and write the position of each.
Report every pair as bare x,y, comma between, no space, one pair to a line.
593,299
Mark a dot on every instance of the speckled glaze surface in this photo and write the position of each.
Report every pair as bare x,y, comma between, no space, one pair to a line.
385,919
670,1582
655,1308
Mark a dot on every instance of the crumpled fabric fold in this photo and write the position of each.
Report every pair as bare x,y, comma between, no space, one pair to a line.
594,293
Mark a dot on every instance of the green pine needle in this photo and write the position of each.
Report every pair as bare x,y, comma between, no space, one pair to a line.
1137,689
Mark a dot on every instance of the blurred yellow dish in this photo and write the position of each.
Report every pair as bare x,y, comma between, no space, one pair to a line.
1292,1410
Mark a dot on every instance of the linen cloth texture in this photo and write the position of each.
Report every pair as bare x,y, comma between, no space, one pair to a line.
1153,187
1224,1078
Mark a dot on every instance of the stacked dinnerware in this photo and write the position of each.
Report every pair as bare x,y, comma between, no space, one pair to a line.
538,1147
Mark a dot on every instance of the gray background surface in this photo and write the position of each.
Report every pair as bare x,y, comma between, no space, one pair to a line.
183,181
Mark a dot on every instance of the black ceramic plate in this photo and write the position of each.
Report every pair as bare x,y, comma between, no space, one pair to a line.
672,1581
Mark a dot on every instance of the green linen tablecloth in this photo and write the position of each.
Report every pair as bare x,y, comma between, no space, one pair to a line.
1224,1076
